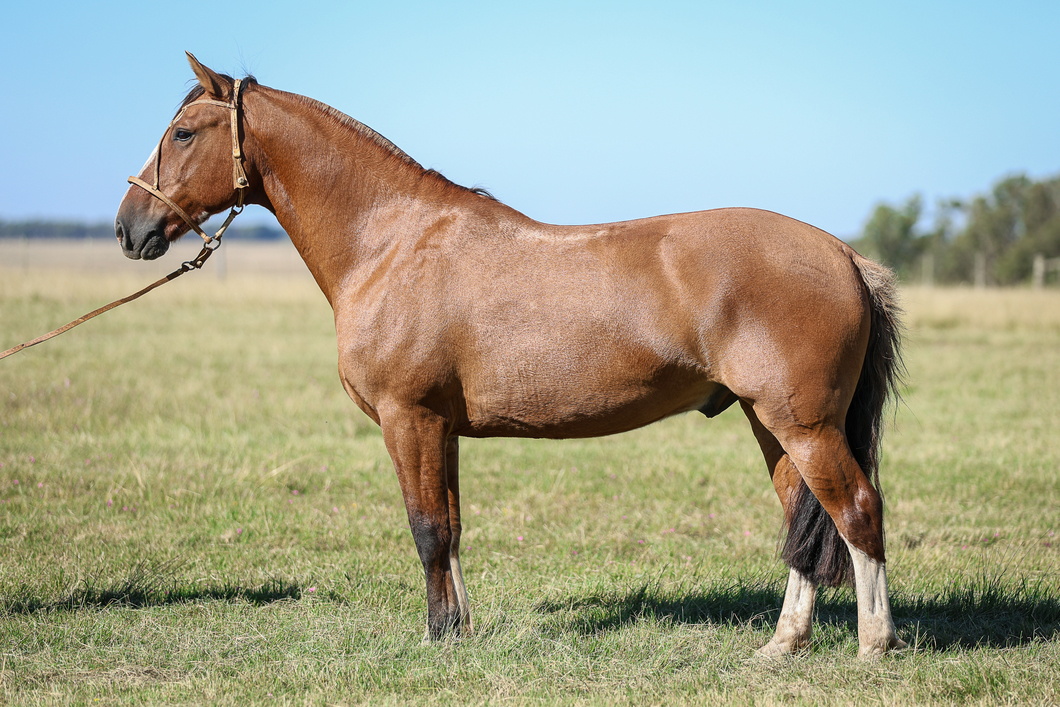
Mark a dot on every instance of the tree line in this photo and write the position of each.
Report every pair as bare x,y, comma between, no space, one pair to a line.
1008,236
105,231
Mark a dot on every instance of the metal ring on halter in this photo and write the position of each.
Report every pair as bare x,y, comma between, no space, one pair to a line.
239,176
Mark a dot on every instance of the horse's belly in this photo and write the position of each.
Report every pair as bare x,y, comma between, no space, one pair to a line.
591,403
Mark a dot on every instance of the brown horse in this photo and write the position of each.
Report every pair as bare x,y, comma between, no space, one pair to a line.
458,316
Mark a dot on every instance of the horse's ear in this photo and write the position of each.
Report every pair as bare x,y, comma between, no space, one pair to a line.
215,86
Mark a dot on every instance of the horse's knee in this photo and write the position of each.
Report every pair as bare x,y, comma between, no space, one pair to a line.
786,481
782,471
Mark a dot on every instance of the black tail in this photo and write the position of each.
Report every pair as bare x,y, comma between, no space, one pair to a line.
813,546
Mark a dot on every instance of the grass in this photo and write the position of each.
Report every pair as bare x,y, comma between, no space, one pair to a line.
192,511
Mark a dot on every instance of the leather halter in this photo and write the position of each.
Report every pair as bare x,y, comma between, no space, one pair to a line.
239,177
211,243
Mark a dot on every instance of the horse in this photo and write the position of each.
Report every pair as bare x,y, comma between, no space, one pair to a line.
458,316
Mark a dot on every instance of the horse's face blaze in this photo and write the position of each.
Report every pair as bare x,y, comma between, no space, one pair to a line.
195,171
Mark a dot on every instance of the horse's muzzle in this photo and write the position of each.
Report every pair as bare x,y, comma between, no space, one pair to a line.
149,244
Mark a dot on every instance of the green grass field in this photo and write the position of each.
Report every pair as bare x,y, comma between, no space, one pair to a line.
192,511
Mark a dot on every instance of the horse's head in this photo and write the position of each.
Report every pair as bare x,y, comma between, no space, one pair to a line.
190,175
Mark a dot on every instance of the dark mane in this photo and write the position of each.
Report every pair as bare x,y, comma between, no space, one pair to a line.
480,191
197,91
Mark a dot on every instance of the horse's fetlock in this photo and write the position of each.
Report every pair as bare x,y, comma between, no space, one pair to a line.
443,626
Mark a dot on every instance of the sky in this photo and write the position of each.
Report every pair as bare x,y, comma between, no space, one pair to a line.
571,112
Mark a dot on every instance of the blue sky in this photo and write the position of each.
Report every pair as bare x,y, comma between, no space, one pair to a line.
572,112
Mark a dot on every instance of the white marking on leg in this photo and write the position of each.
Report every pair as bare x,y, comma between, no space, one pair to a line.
461,593
876,634
796,617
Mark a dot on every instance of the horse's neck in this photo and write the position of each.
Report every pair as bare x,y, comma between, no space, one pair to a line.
327,182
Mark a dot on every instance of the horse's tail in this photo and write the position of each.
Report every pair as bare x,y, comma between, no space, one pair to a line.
813,546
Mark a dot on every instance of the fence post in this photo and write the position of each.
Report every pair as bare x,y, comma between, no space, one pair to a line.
980,270
1039,271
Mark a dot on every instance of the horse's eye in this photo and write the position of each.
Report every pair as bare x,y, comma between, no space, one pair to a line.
182,135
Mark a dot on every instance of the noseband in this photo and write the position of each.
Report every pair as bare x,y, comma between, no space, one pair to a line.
239,177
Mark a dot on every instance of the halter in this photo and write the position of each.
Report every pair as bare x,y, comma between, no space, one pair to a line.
210,243
239,177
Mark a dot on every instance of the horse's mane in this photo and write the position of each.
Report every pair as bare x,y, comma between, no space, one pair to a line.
197,91
392,149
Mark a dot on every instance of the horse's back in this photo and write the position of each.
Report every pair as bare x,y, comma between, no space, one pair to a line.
708,278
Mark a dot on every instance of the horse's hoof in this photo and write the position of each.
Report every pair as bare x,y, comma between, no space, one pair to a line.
877,650
445,632
775,649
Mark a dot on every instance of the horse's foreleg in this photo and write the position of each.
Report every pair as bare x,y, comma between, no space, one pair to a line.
416,441
795,624
452,470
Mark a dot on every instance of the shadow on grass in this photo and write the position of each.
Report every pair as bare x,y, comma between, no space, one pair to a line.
150,585
985,613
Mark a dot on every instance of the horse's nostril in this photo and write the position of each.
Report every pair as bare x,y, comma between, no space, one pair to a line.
124,239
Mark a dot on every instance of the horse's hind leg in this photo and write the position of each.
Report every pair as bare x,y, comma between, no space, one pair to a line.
795,624
823,459
876,634
452,471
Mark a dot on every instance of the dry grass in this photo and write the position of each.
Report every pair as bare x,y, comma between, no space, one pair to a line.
984,310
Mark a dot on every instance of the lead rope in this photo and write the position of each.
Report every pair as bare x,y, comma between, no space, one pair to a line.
187,266
210,243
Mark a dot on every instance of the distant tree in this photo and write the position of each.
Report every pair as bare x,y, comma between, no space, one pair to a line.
55,229
995,223
1007,227
891,236
1040,232
1004,229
